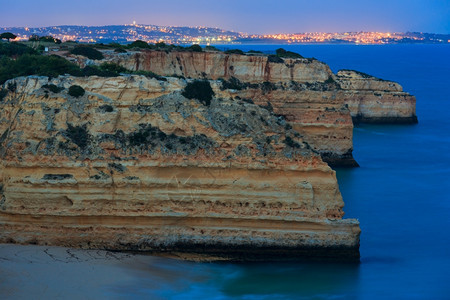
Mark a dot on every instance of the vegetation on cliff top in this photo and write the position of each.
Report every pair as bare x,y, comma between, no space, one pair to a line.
76,91
27,64
88,52
200,90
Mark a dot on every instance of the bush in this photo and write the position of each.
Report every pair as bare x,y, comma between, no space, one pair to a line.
78,135
3,94
161,45
211,48
233,84
88,52
113,68
254,51
139,44
287,54
275,59
50,39
76,91
51,66
52,88
200,90
234,51
120,50
15,49
195,48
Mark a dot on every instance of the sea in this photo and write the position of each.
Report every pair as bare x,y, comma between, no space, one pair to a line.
400,194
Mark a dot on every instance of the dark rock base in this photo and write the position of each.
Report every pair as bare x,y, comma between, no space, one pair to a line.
359,119
340,161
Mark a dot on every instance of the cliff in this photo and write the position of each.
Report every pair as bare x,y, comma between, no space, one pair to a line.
318,104
374,100
302,90
134,165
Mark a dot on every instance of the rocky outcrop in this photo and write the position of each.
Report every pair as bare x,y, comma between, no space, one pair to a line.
302,90
319,104
374,100
134,165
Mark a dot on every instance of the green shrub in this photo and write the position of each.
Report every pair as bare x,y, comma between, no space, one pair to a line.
120,50
12,86
287,54
3,94
200,90
139,44
50,39
330,80
51,66
52,88
211,48
88,52
195,48
15,49
234,51
233,84
275,59
291,143
161,45
76,91
254,51
78,135
113,68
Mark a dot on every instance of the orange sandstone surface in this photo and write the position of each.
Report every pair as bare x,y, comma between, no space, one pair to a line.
317,103
134,165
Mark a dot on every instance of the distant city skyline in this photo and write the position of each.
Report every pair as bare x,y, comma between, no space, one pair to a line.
259,17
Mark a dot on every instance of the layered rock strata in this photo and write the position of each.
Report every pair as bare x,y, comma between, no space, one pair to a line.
302,90
374,100
318,104
134,165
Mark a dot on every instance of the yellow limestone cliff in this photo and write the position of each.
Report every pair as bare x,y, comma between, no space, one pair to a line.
317,103
134,165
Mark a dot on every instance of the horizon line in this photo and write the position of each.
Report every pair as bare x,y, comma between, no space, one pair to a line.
216,27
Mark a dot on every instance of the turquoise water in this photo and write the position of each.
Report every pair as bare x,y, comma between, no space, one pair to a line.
400,194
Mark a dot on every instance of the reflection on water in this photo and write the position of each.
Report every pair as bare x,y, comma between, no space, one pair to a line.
165,278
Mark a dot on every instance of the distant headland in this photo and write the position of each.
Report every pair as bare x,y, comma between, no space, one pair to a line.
209,35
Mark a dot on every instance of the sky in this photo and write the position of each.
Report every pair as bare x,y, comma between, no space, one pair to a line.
252,16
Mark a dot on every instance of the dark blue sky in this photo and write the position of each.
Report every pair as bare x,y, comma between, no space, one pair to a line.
253,16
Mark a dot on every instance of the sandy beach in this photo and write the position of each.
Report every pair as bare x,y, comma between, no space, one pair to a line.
42,272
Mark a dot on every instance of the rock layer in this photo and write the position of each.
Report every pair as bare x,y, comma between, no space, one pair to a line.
306,91
302,90
133,165
373,100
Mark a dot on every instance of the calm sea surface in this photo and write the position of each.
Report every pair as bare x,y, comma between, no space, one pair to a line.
400,194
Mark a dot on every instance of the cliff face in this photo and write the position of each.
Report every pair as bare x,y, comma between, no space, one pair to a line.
133,165
215,65
319,104
302,90
373,100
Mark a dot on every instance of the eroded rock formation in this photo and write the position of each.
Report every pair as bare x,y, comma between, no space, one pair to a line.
134,165
374,100
319,104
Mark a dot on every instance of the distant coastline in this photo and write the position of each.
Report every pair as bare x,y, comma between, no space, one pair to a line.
128,33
